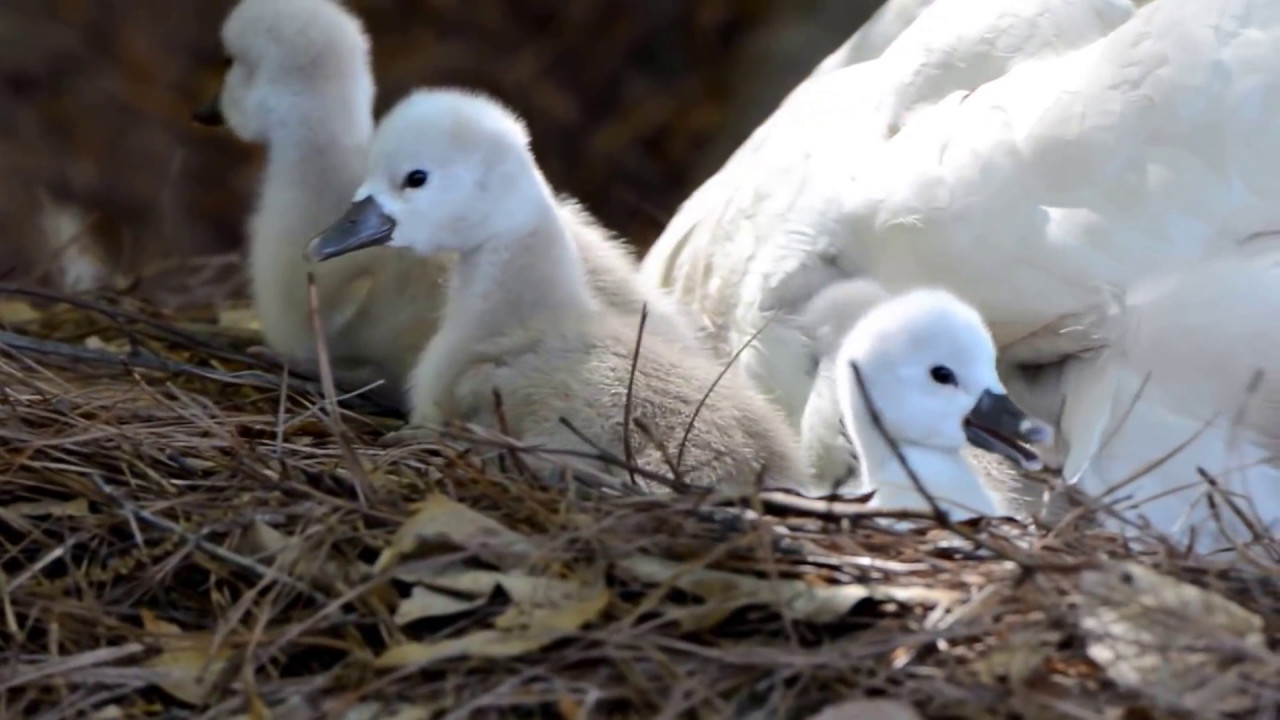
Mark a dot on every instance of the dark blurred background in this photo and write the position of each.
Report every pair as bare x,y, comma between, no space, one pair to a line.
631,105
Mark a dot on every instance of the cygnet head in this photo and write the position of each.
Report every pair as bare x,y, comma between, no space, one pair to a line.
928,362
283,54
449,170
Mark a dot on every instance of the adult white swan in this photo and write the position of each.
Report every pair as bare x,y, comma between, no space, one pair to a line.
1041,160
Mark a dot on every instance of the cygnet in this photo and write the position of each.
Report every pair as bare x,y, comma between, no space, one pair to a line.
451,171
925,363
298,80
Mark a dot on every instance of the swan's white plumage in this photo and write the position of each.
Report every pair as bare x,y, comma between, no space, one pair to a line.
875,35
773,225
521,318
1097,147
1185,383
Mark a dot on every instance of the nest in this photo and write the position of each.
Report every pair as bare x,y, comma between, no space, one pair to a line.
188,531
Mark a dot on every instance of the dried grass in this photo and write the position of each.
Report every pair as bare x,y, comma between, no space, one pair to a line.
182,534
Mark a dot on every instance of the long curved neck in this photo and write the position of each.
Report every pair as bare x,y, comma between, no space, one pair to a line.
511,281
313,167
945,475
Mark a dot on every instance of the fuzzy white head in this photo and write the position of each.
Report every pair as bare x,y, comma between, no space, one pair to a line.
286,58
449,171
928,363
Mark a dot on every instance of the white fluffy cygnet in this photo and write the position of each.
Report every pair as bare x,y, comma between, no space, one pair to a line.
927,363
299,81
451,171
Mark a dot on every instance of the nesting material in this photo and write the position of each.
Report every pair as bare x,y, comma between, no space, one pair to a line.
176,537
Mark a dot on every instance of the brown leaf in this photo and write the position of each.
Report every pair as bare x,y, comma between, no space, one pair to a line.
442,521
725,591
16,312
187,674
453,591
55,508
521,632
186,669
156,626
238,317
424,603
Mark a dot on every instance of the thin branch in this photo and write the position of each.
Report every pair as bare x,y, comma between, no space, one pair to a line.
723,371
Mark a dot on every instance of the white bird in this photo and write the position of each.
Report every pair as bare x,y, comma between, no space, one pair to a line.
451,171
786,214
924,364
1033,158
299,81
1183,391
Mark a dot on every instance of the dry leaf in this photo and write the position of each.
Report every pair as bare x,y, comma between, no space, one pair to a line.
239,317
185,669
562,620
118,346
15,312
262,539
868,710
424,603
156,626
56,508
187,674
440,520
569,708
1161,636
726,591
454,591
258,710
523,632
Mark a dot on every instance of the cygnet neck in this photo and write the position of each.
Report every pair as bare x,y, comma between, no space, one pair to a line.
314,163
512,280
945,474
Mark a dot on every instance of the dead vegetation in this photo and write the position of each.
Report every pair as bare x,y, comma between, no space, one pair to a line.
184,532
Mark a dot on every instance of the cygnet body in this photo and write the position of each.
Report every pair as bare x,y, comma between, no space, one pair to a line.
451,171
927,362
299,82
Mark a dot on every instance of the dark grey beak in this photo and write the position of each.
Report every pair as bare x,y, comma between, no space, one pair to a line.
210,113
997,425
363,225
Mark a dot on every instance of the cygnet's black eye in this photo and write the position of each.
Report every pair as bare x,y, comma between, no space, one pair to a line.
227,61
942,375
415,179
